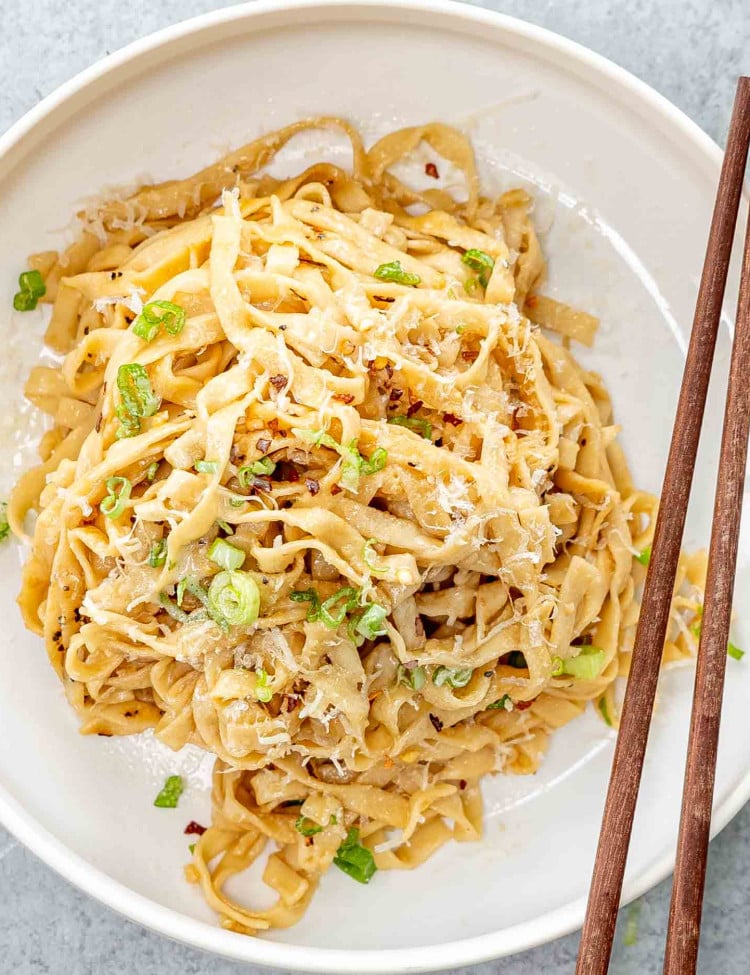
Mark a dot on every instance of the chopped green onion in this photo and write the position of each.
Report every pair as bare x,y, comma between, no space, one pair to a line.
224,555
587,665
172,317
113,504
334,609
604,711
415,423
394,272
501,704
376,461
558,667
263,691
307,827
191,584
644,557
207,466
480,262
734,651
4,526
630,936
370,556
237,502
308,596
259,468
350,468
173,609
414,677
235,597
369,624
318,438
31,289
453,677
138,398
170,793
354,859
151,470
192,847
158,555
225,526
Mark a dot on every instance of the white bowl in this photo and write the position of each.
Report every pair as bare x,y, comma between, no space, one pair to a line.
625,185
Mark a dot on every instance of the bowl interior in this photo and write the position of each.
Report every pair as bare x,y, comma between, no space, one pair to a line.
624,200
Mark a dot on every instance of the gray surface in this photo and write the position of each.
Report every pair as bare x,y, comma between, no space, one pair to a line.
692,52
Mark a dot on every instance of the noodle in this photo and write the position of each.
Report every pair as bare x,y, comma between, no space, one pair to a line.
330,505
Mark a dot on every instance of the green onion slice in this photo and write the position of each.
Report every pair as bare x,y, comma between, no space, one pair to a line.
307,827
369,624
354,859
259,468
118,489
644,557
151,470
501,704
481,263
453,677
394,272
137,396
158,554
308,596
587,665
31,288
156,314
734,651
235,597
207,466
334,609
263,691
170,793
415,423
370,557
225,555
414,677
376,461
4,526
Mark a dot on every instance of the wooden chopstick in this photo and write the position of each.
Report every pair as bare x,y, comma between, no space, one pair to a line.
681,956
617,822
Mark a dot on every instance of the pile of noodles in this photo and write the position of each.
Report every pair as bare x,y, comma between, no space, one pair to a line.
411,438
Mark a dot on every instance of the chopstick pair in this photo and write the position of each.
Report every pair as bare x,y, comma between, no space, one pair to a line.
683,932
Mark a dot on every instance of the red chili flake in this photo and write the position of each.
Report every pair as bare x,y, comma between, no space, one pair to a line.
531,301
263,444
344,397
462,784
452,419
469,355
396,394
415,408
286,471
437,724
522,705
278,382
312,485
389,370
196,828
335,489
432,170
273,426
